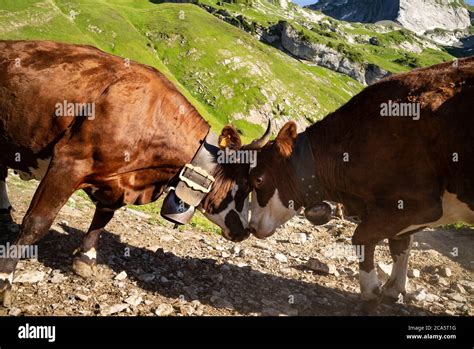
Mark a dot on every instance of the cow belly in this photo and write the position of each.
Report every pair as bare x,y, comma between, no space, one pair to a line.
454,211
37,172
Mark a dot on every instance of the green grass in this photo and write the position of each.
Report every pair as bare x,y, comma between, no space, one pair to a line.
225,72
228,74
387,55
100,23
459,226
198,222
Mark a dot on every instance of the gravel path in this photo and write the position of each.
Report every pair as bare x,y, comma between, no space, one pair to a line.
149,269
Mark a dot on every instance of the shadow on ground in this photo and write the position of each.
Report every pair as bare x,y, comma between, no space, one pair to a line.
249,290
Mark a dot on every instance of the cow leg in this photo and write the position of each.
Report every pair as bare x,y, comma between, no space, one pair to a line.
52,193
369,283
5,206
366,237
85,262
400,251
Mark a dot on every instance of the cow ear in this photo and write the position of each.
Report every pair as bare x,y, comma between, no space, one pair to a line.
285,140
229,138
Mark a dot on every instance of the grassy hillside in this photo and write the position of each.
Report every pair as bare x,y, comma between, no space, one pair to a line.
394,51
228,74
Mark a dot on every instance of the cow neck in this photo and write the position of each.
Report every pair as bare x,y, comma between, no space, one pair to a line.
303,165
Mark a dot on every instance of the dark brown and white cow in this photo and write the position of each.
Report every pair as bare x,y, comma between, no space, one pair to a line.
75,118
399,172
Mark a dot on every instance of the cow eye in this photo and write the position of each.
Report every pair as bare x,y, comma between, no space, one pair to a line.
258,181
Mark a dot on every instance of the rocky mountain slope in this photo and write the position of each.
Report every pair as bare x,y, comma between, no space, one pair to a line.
416,15
364,52
228,74
147,268
446,22
238,62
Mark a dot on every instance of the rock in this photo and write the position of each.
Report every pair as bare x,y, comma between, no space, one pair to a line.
384,270
270,312
415,15
164,309
281,258
445,271
434,279
164,279
431,298
14,311
414,273
374,73
81,297
222,303
457,297
114,309
121,276
291,312
29,277
235,250
134,300
419,295
443,282
57,278
458,288
321,267
146,277
298,299
262,245
468,285
186,310
297,238
217,278
374,41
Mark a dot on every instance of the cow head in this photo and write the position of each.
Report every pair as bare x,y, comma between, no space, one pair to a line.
227,203
274,195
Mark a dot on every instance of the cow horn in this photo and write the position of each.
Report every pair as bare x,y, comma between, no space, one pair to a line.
262,141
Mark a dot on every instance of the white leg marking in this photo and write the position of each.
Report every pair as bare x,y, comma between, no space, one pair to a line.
4,201
368,284
92,253
7,276
398,279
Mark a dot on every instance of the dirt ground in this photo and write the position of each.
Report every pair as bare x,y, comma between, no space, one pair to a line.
148,269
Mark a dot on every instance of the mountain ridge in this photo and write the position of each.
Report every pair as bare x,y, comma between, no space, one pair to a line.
416,15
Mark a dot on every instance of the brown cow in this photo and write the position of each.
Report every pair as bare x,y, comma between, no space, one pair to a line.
75,117
398,172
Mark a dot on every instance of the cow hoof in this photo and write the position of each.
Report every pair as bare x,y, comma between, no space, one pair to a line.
83,269
5,293
371,295
392,295
370,307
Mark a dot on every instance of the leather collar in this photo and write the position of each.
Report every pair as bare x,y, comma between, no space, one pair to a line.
303,164
204,161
